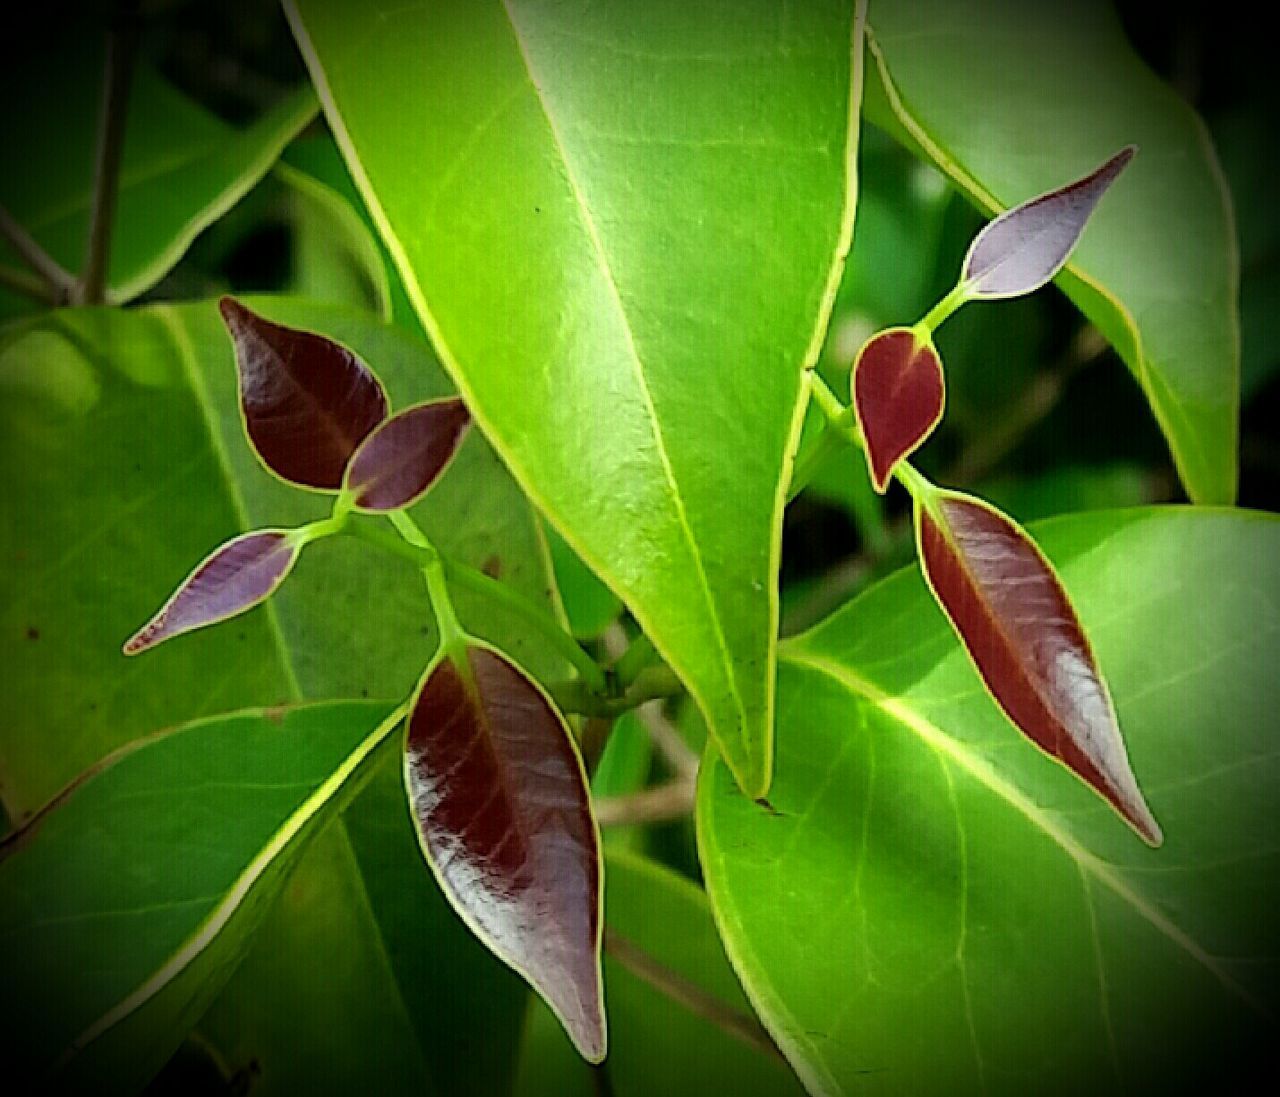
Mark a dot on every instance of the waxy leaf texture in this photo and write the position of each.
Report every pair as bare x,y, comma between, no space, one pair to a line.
500,798
307,401
961,917
233,578
1023,248
898,395
403,456
1017,623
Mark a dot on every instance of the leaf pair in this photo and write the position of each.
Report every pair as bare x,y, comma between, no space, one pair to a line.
317,417
897,384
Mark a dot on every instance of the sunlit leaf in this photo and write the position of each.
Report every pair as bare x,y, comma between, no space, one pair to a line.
1010,100
145,878
233,578
898,395
959,914
1025,247
1011,613
573,199
500,798
308,402
403,456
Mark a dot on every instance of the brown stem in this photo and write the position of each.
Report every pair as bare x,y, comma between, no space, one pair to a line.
658,804
668,741
689,994
27,284
122,48
58,281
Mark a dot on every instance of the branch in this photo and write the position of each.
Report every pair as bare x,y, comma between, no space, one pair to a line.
675,986
27,284
668,741
58,281
122,48
658,804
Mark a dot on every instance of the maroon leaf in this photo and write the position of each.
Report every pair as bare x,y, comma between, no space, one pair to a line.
1026,246
308,402
1014,618
898,395
404,456
231,579
499,795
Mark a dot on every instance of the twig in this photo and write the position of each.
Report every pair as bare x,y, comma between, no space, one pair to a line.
27,284
668,741
58,281
679,989
122,48
658,804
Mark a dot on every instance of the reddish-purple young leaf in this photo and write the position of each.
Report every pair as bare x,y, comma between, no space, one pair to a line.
231,579
898,395
1009,609
500,799
1026,246
405,455
308,402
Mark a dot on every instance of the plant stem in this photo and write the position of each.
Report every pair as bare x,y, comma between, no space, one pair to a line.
659,804
668,741
122,48
688,993
27,284
451,630
639,654
477,582
652,683
58,281
932,320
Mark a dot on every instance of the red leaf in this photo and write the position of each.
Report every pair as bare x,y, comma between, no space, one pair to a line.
898,396
404,456
500,799
231,579
1014,618
1026,246
308,402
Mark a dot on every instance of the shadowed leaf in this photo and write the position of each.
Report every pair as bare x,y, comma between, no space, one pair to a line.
1023,248
500,799
233,578
130,897
1014,618
898,395
402,457
308,402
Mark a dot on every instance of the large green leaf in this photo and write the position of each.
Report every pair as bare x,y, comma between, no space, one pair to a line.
1012,100
122,901
125,461
181,168
605,219
936,908
655,1046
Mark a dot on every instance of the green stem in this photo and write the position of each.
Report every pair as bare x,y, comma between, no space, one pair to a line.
638,655
651,684
961,292
920,487
29,285
477,582
452,634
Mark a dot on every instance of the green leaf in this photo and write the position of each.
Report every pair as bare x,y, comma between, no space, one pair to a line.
655,1045
933,902
590,606
125,460
124,898
182,168
1009,103
601,219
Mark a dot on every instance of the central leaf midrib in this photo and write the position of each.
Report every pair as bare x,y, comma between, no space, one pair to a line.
606,272
1088,863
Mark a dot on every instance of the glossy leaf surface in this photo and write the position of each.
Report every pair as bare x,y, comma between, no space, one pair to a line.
656,1045
308,402
1023,248
500,797
233,578
961,915
118,868
898,395
615,157
100,513
182,168
1010,100
1011,613
403,456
